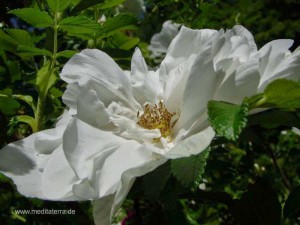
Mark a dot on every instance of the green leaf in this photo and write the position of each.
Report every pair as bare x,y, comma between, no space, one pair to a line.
79,26
14,70
110,3
24,50
66,53
58,5
7,42
292,204
273,119
123,21
4,179
227,119
122,41
55,92
38,38
253,100
189,170
13,38
33,16
7,92
26,98
283,93
84,5
44,79
8,105
21,36
130,43
99,4
75,2
28,120
159,177
258,206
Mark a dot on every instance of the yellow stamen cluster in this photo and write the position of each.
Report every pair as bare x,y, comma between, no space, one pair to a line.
157,117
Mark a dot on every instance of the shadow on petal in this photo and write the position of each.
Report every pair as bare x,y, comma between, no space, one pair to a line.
15,161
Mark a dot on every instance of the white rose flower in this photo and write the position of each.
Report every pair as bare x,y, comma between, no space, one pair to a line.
160,42
136,7
124,124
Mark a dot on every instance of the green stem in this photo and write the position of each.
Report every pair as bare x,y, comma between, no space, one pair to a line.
40,112
39,116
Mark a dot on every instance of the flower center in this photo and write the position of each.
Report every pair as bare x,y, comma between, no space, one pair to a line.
157,117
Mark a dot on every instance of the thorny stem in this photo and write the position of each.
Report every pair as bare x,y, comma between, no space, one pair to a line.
39,116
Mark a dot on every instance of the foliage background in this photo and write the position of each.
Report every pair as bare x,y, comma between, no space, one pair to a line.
247,181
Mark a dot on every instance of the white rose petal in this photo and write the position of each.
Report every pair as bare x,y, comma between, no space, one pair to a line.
160,42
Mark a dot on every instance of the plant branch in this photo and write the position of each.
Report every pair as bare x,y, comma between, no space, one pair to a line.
39,116
285,179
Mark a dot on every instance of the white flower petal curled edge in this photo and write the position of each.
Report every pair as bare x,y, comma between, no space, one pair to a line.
123,124
160,42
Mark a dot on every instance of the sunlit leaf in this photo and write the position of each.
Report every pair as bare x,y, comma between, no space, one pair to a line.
45,79
55,92
122,41
130,44
283,93
123,21
66,53
79,26
25,98
34,17
227,119
28,120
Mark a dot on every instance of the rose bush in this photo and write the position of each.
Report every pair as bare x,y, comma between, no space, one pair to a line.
120,125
